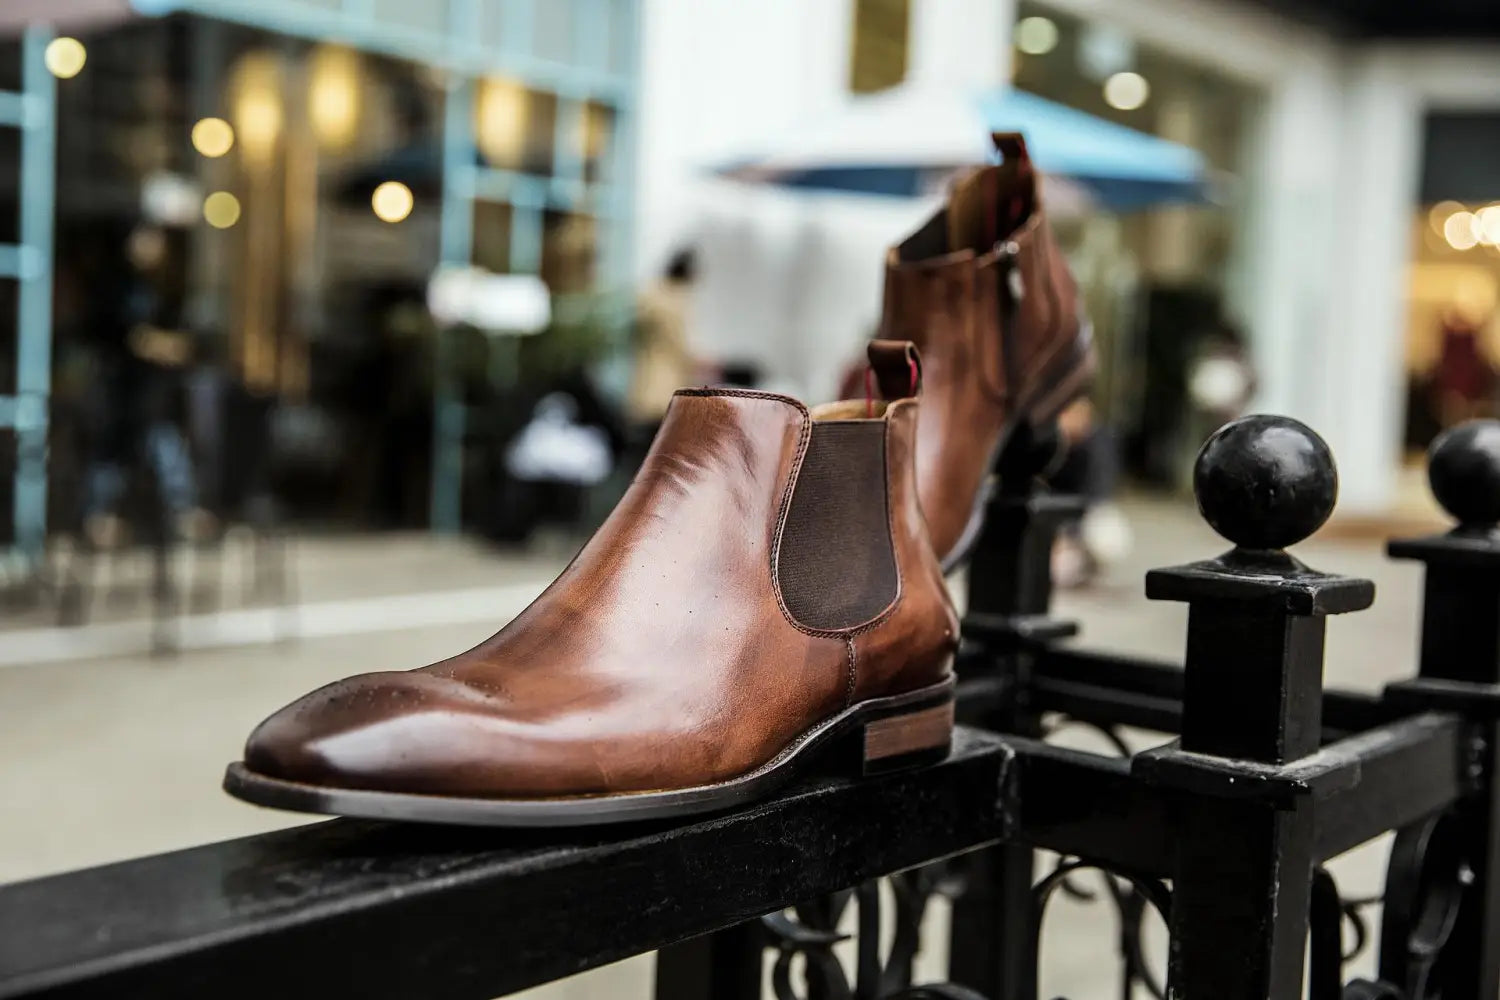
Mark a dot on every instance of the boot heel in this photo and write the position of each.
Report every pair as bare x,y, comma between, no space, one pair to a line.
908,738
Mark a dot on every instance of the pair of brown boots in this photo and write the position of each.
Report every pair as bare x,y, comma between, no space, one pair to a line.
768,596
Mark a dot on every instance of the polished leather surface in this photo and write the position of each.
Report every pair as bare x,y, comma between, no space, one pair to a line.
981,373
661,658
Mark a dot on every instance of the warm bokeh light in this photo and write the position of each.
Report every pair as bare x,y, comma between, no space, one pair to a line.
213,137
221,210
65,57
333,92
255,84
1126,91
595,124
1459,230
500,114
1437,216
1488,224
392,201
1036,36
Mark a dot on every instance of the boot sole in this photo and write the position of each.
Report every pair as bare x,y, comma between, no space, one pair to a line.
1072,382
875,736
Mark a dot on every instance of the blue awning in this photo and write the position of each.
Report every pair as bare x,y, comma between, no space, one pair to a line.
904,142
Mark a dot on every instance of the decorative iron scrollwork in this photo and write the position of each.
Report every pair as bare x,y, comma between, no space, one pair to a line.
1130,895
1326,952
811,931
1110,733
1425,883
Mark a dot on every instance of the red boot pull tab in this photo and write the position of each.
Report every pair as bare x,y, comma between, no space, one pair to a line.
896,367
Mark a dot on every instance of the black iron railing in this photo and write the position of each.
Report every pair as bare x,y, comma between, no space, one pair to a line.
1224,831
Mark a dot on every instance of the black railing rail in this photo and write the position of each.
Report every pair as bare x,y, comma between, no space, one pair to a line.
370,910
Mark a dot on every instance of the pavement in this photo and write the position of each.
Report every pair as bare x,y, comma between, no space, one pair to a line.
111,752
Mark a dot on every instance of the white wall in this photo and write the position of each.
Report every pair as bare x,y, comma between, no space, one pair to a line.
716,76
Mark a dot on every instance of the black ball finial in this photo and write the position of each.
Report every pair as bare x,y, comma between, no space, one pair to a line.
1463,466
1265,482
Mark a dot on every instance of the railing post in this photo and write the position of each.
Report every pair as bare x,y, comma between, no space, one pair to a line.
1252,702
1460,671
1009,595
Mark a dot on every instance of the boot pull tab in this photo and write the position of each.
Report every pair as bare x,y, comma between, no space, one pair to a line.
1012,149
896,367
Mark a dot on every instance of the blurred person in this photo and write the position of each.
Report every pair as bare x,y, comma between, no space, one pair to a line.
664,362
563,441
1221,378
1463,382
1088,467
139,359
1221,381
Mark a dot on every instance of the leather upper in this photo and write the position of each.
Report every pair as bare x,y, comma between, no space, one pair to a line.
663,657
988,357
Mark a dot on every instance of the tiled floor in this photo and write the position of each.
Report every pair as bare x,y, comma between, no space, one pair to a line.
115,756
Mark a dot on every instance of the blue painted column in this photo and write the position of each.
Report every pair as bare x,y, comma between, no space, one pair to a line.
34,312
456,249
619,173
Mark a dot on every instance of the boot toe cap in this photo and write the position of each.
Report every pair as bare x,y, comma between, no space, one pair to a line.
399,732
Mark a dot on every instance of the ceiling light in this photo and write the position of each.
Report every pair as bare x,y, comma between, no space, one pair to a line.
501,119
64,57
1126,91
1036,36
221,209
1458,230
1438,214
392,201
213,137
333,96
1487,225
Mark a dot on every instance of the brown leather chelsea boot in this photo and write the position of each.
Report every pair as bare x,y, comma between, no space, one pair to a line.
764,601
984,292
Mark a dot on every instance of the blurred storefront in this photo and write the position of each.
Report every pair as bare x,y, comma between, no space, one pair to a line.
295,171
1453,321
1321,259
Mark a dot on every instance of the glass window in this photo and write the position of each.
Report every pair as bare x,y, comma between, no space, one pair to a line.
598,140
492,225
541,117
569,249
877,58
10,64
514,127
10,184
1453,299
